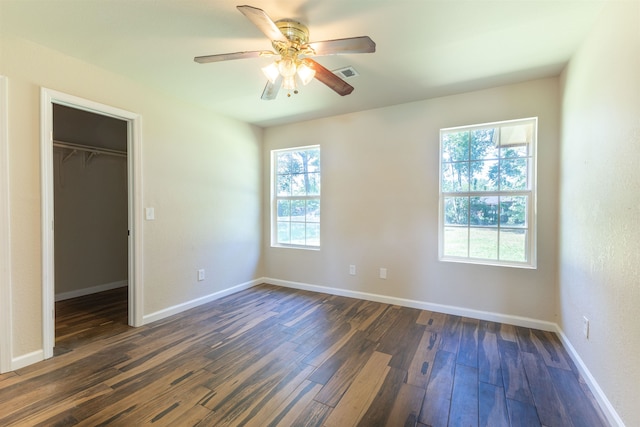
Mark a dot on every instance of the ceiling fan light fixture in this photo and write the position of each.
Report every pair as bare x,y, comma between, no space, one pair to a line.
287,67
306,73
271,72
289,83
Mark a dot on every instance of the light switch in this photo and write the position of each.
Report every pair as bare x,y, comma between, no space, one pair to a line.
150,214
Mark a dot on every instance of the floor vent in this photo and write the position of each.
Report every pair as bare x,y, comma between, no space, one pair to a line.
346,72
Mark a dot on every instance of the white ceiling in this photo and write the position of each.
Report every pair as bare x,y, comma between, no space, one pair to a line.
425,48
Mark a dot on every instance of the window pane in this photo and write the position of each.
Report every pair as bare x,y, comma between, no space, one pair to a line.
456,241
513,211
455,146
515,151
305,184
483,243
313,160
483,145
297,163
283,185
283,232
313,210
513,174
283,161
516,134
483,211
484,175
455,177
284,210
298,233
298,187
297,210
456,210
513,245
313,184
313,234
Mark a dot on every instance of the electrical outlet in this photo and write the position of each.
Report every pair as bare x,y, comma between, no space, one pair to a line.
585,327
200,275
383,273
352,270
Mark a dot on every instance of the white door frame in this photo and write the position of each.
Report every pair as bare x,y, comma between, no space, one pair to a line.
134,177
6,352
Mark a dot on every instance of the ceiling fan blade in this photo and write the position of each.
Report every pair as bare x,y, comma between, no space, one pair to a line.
324,75
362,44
229,56
261,20
271,89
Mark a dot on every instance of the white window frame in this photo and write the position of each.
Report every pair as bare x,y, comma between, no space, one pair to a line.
530,193
275,198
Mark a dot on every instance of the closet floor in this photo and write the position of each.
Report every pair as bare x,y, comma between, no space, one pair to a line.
89,318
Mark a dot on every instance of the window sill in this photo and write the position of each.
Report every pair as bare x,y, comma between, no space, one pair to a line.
306,248
490,263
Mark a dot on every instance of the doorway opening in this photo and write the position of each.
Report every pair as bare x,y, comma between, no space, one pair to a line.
90,224
90,196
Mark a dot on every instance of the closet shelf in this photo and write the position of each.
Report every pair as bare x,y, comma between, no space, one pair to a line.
88,149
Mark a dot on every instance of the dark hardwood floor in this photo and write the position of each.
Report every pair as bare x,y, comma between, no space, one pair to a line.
272,356
83,320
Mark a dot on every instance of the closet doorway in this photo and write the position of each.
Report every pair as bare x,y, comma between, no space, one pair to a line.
90,223
89,173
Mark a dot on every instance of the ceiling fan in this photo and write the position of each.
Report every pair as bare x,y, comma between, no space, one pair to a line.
290,40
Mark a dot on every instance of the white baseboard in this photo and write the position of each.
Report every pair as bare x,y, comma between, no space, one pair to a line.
91,290
27,359
603,401
170,311
440,308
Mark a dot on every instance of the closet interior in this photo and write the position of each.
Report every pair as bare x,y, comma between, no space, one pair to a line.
90,213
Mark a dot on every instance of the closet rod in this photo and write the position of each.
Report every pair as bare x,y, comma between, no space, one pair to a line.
89,149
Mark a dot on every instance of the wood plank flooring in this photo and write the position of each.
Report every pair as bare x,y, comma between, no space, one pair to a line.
271,356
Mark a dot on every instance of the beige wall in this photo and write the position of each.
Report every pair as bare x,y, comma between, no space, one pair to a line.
380,203
599,271
201,172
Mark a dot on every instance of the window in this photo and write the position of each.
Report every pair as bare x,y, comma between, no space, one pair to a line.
296,190
487,193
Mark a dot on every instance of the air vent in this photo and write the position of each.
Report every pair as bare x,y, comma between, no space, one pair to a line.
346,72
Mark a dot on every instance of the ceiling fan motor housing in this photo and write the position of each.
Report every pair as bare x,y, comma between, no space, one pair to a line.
296,32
